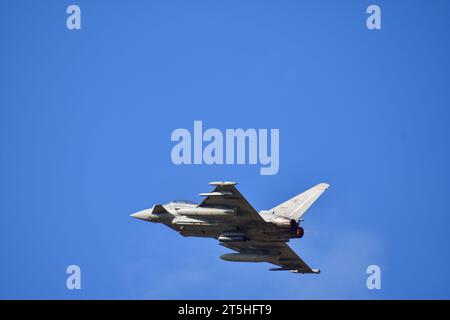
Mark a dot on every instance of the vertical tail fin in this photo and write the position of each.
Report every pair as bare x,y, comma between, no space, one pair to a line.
296,207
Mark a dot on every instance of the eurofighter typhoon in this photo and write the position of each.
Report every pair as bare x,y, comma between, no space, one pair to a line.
255,236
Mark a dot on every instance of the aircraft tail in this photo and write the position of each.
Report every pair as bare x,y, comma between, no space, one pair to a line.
296,207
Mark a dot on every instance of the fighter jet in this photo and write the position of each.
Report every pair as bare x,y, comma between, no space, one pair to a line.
224,214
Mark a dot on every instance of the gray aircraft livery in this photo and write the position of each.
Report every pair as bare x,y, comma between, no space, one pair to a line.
225,215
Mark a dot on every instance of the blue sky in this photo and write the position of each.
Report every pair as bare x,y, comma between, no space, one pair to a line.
86,118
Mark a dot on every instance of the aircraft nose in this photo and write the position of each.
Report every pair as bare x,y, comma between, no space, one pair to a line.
142,215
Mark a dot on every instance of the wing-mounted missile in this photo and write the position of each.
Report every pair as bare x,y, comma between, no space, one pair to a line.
216,194
222,183
316,271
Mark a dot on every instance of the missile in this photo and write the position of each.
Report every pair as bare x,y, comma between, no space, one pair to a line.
222,183
216,194
316,271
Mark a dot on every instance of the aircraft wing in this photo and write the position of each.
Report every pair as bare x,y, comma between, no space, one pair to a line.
279,253
227,195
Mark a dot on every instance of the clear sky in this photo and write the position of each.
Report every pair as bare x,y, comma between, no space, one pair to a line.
86,118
